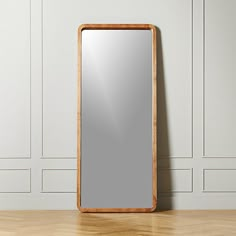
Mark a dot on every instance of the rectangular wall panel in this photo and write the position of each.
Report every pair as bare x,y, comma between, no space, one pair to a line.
219,180
219,83
59,181
175,180
61,20
15,181
15,79
174,67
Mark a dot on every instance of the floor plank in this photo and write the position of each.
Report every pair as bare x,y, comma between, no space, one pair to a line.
70,223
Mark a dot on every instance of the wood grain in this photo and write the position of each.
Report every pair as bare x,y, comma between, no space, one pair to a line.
73,223
117,26
79,118
154,115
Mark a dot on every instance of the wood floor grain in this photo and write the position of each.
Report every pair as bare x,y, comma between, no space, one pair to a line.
70,223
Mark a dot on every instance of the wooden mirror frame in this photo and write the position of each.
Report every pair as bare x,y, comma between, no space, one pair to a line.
154,114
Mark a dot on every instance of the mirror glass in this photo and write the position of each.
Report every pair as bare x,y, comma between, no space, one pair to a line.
116,118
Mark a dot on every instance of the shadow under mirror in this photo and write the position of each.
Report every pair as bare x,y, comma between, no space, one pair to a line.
164,200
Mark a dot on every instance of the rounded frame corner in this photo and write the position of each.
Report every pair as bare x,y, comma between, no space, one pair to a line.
81,28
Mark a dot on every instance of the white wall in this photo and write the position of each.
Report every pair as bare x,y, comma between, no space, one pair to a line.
196,99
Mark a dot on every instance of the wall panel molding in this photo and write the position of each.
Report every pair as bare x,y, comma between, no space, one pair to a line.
175,180
6,23
219,180
45,155
204,78
163,157
59,181
15,181
57,156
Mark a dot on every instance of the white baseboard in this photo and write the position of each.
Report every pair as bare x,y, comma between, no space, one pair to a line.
67,201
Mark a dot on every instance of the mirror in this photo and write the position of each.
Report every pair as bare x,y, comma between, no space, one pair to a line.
117,118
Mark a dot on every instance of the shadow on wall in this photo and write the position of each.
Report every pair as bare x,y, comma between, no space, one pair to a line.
164,200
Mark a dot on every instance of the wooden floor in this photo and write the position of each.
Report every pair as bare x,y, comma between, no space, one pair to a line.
61,223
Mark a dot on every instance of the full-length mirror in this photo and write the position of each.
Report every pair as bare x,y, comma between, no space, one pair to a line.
117,118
